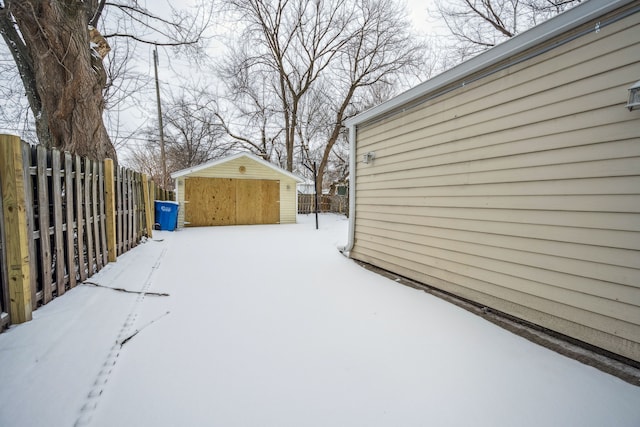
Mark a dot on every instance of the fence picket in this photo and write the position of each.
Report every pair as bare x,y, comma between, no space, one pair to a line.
125,210
119,213
80,221
326,203
147,207
43,216
65,220
56,199
103,219
95,221
15,241
152,204
28,177
70,230
88,216
136,209
130,210
4,279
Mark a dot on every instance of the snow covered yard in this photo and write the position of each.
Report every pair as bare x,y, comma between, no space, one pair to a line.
272,326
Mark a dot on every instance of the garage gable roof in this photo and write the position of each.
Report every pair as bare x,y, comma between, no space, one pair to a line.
537,35
216,162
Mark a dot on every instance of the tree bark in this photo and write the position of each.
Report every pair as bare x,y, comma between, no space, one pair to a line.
335,134
68,74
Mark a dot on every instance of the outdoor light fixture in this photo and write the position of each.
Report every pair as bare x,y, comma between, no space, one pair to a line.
634,96
368,157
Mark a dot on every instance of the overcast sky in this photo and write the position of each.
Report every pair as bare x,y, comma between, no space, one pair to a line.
417,10
170,65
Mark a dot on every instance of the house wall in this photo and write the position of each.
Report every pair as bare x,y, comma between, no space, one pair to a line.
519,190
252,170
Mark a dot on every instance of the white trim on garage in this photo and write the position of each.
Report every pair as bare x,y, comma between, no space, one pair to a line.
216,162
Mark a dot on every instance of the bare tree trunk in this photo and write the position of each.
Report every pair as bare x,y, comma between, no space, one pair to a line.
292,122
69,75
334,48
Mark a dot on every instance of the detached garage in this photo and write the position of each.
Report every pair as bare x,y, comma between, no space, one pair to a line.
238,190
513,179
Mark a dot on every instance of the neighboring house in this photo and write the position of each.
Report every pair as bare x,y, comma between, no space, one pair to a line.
307,187
236,190
513,179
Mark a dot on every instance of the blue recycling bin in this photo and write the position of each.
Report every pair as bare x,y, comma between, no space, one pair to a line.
166,215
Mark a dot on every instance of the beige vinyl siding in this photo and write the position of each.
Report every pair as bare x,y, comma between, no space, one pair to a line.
253,170
180,199
520,190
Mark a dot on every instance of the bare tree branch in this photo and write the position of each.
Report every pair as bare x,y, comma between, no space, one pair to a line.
63,74
476,25
312,59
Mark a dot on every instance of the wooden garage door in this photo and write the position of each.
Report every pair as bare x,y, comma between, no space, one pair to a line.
228,201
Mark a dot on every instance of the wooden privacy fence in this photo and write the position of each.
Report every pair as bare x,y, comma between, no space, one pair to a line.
62,219
326,203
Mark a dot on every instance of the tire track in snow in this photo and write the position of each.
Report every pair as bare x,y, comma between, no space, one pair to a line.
91,402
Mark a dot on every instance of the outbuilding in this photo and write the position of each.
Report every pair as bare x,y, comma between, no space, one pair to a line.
237,190
513,179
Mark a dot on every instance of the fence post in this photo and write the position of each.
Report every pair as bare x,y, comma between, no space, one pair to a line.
152,192
14,206
110,209
147,205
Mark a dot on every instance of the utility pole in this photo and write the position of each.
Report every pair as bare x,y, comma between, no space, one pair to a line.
163,159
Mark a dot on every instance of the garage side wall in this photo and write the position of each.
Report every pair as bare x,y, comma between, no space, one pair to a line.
246,168
520,190
180,199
